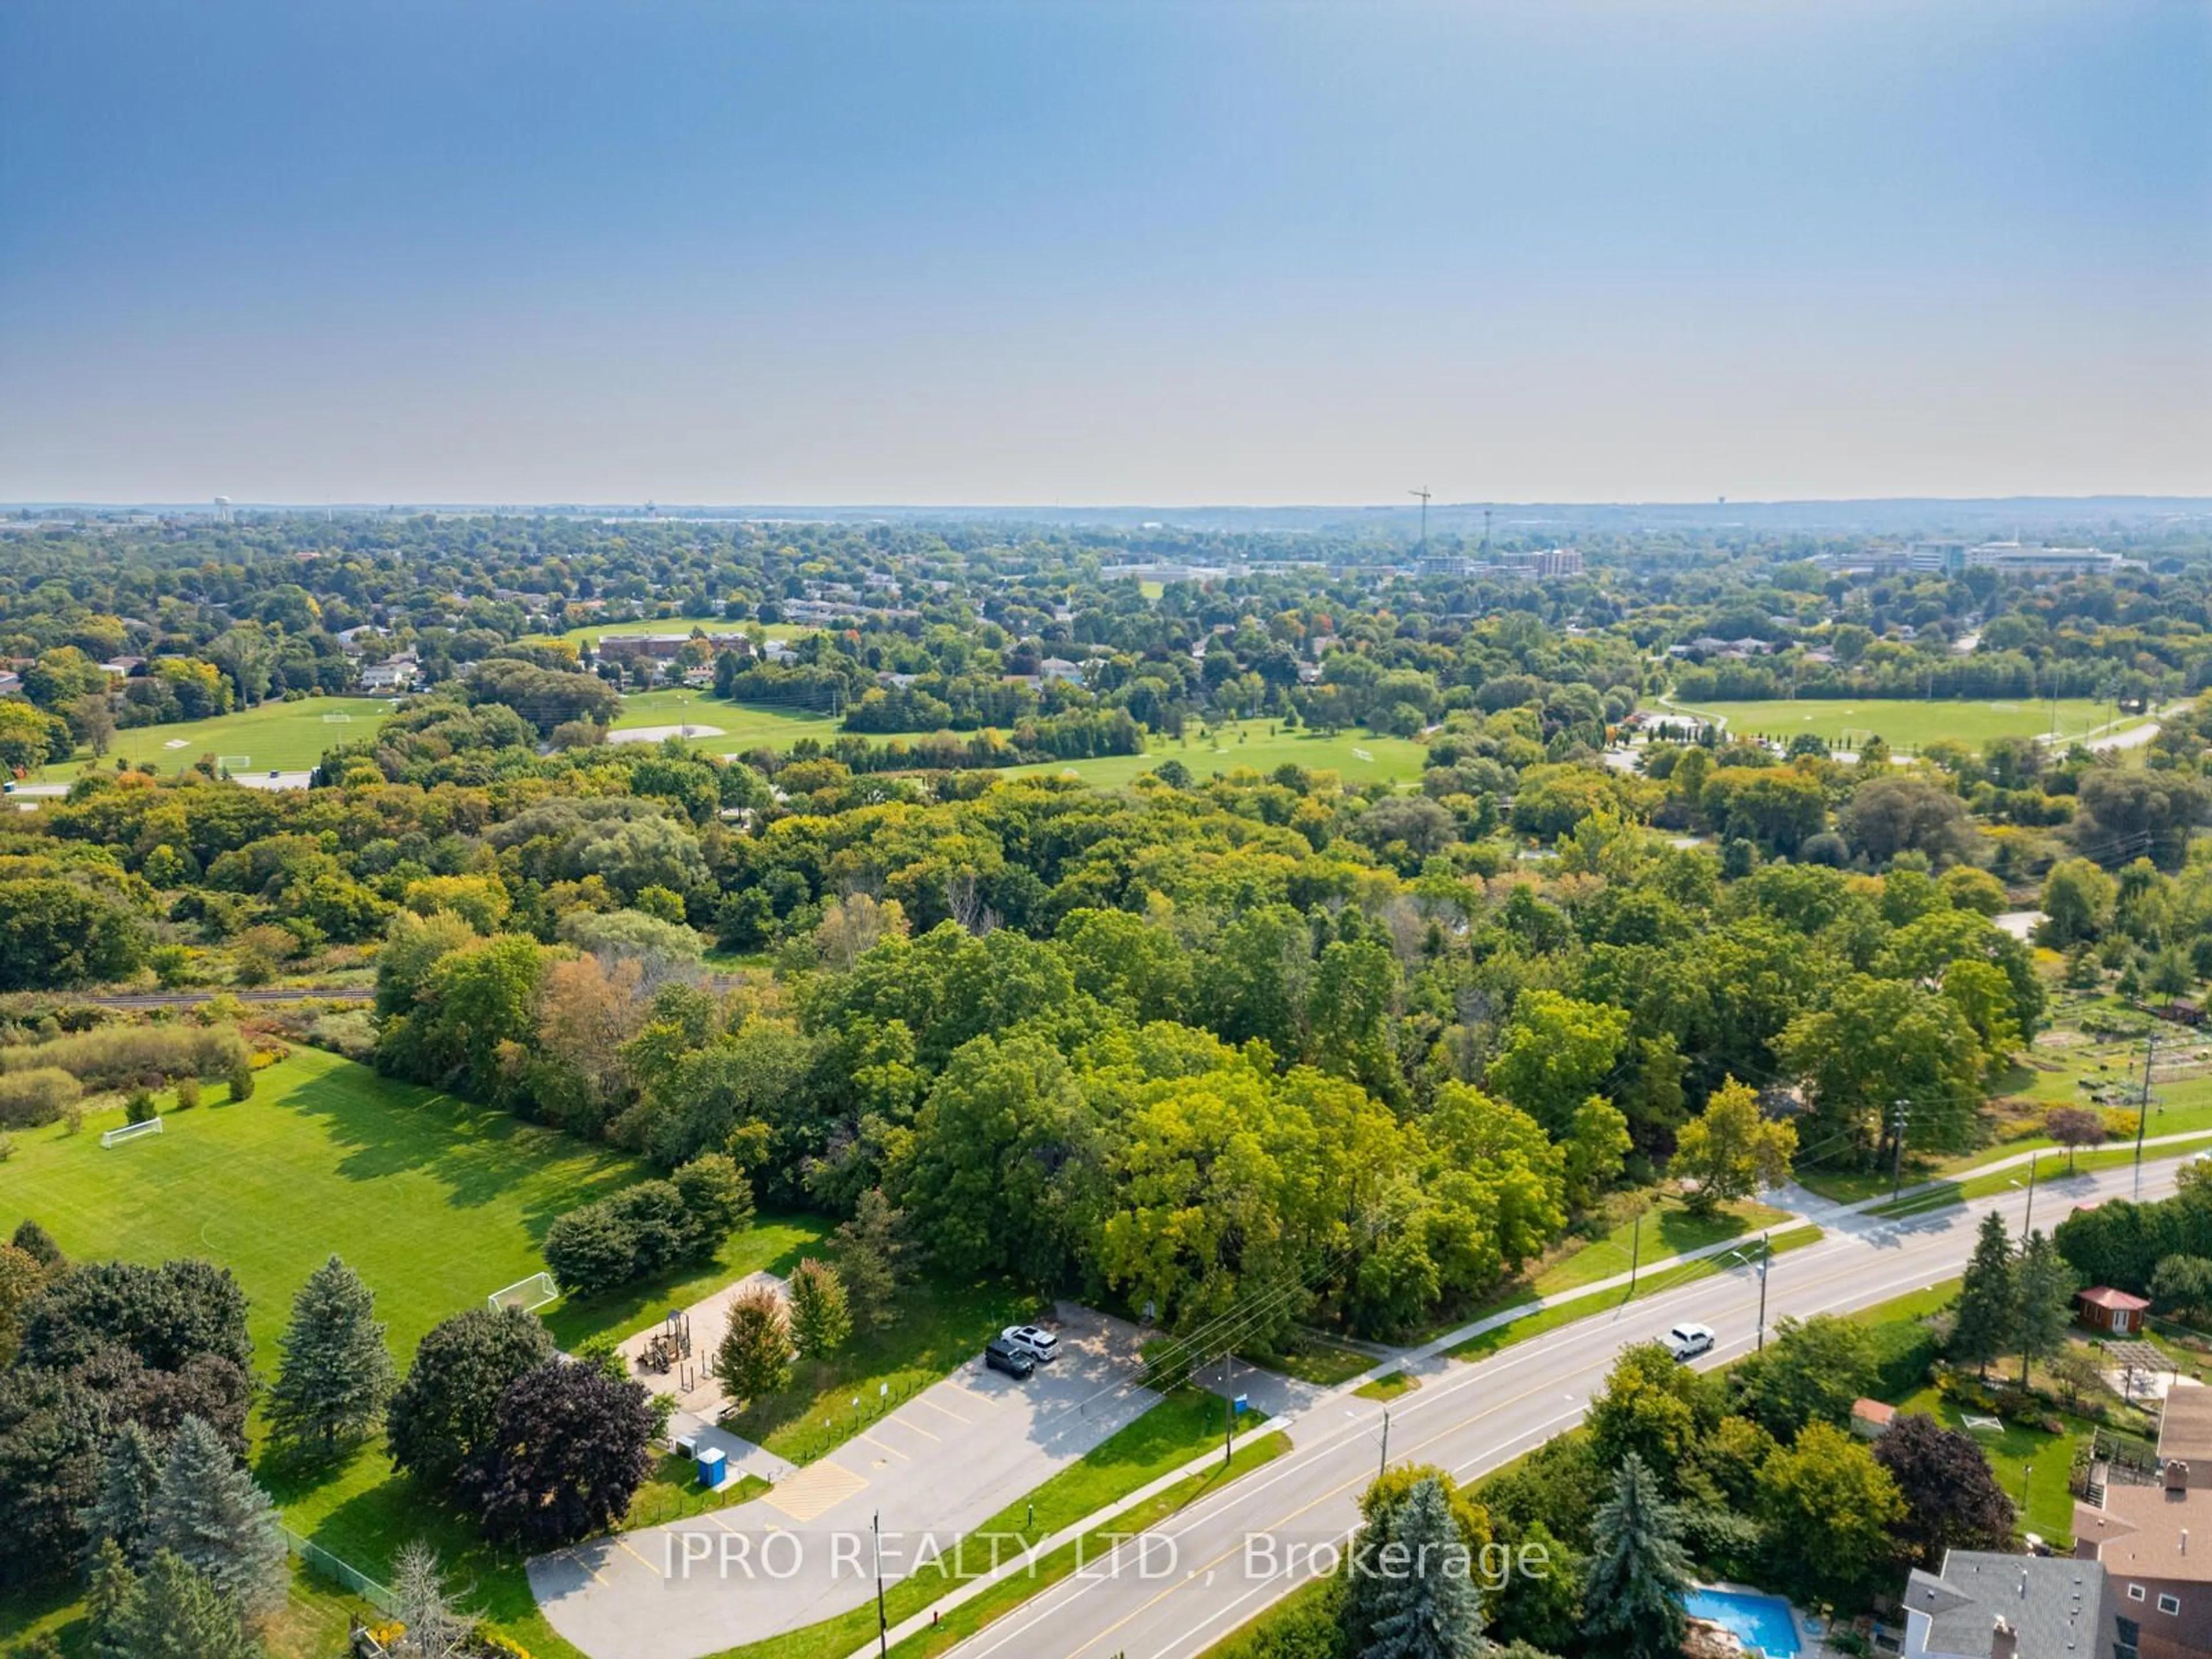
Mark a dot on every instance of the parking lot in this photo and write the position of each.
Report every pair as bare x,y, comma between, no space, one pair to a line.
935,1469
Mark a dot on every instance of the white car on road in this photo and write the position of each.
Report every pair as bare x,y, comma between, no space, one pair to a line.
1039,1343
1688,1341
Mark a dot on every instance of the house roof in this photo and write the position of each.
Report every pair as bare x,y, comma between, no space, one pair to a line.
2103,1296
1874,1411
2055,1605
2143,1532
2185,1424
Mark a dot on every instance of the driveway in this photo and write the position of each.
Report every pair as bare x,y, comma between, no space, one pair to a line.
935,1469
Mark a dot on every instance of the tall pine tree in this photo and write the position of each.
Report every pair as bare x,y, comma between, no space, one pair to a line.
1981,1321
210,1513
1638,1570
176,1613
130,1479
336,1374
1418,1594
2045,1283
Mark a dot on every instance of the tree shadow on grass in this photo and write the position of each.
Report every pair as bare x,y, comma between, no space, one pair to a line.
478,1155
634,1305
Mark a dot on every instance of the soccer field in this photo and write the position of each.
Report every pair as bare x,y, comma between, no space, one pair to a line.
1906,722
1359,757
742,726
271,736
676,625
436,1202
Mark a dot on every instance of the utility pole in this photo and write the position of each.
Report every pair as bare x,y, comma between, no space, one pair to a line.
1228,1416
2027,1221
1897,1129
1383,1467
883,1621
2143,1109
1635,1251
1765,1266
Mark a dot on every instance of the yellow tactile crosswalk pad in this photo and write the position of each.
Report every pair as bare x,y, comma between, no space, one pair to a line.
815,1490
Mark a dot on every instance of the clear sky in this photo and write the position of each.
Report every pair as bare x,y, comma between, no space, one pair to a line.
1103,251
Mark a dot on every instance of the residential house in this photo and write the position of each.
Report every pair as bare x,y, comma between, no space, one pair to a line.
1987,1605
2161,1589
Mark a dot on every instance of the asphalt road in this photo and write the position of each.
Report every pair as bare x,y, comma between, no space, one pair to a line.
1181,1589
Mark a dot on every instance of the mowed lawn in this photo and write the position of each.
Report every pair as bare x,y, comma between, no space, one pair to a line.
738,725
436,1202
1907,722
286,737
1358,758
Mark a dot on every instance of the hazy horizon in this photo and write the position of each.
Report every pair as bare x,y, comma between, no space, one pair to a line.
855,253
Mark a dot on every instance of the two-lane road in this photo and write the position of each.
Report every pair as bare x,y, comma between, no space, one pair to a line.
1196,1579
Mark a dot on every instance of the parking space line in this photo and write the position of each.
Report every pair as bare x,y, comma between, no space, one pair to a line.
623,1544
955,1383
916,1428
902,1458
924,1400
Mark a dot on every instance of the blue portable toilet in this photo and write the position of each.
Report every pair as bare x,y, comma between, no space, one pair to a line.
713,1464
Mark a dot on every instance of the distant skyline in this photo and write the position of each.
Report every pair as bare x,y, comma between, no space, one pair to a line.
1159,252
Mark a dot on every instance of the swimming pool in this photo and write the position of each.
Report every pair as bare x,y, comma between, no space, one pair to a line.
1758,1622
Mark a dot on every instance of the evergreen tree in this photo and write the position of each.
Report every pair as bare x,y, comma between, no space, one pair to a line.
37,1244
113,1601
336,1374
1417,1590
820,1321
868,1251
1982,1319
1638,1570
130,1479
2046,1282
176,1613
210,1513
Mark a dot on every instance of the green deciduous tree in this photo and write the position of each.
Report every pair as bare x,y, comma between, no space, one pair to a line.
1881,1041
336,1374
1812,1372
1558,1052
754,1359
449,1401
1828,1508
1730,1149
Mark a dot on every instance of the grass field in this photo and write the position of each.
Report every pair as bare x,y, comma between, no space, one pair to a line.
1907,722
676,625
1359,757
436,1202
743,725
283,736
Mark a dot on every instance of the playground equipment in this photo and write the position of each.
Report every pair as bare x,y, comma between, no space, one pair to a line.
670,1345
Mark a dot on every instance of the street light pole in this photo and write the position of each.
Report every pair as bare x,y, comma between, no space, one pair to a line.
1383,1467
1897,1172
1765,1263
2027,1221
1635,1251
2143,1109
883,1621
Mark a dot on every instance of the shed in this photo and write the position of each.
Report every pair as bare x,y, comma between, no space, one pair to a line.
2115,1313
1870,1419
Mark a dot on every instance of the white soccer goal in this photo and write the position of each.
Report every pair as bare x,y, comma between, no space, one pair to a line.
529,1294
233,763
152,1126
337,720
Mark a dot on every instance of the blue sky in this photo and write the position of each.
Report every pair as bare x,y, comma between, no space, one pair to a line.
929,252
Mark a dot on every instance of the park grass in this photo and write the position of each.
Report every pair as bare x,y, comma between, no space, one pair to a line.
1311,1358
285,737
1388,1386
740,725
673,625
436,1202
934,1328
672,1492
1907,722
1498,1338
1181,1427
1254,746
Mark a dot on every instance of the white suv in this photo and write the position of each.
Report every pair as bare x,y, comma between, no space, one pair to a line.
1034,1340
1688,1341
